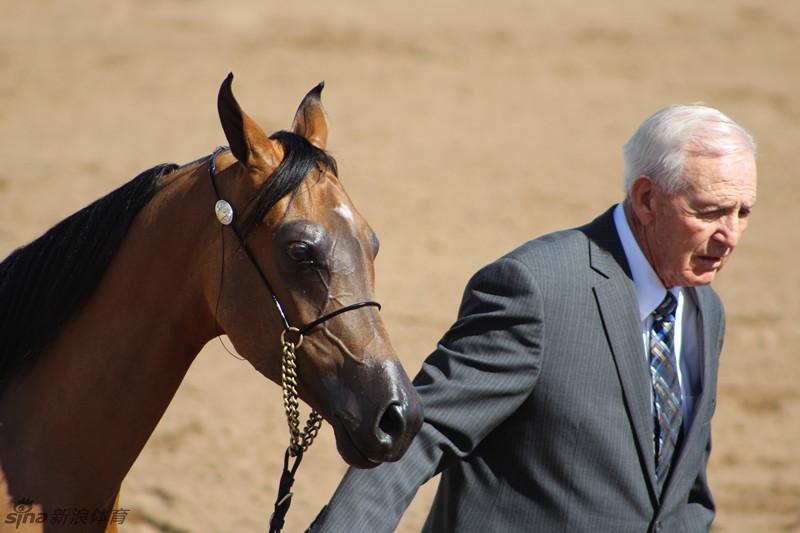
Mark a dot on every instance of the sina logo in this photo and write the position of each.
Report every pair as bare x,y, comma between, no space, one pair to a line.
23,514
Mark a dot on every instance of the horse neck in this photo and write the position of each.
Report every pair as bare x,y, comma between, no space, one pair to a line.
99,389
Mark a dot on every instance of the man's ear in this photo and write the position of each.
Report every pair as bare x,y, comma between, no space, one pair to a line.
643,198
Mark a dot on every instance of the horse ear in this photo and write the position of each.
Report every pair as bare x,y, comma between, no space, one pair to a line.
310,121
248,142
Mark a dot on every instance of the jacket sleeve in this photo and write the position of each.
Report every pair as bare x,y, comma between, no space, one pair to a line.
484,367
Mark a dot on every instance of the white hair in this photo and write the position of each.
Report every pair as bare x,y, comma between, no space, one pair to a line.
661,143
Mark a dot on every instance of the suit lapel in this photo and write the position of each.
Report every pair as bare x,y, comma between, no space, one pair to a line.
617,304
707,336
708,333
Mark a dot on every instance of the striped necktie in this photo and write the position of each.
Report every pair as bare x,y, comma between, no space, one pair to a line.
667,410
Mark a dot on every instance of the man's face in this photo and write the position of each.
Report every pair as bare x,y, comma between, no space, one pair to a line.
689,236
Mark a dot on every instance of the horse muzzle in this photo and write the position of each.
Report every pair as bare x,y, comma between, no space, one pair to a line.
377,416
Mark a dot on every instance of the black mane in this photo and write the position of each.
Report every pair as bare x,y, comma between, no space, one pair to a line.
300,158
43,282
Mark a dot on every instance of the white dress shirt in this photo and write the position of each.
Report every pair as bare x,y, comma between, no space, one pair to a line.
650,292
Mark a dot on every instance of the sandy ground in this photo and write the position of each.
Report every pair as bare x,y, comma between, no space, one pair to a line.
461,129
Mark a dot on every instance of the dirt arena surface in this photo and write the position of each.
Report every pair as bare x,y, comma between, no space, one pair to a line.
461,130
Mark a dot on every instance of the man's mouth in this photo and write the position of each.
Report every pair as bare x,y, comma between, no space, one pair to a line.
710,261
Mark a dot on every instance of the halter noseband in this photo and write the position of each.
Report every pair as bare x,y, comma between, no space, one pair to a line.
225,215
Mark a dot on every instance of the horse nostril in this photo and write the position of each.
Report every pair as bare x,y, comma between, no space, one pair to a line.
392,424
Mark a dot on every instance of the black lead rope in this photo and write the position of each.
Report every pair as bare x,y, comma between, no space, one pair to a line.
284,499
225,215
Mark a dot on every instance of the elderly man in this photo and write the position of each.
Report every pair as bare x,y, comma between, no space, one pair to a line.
576,389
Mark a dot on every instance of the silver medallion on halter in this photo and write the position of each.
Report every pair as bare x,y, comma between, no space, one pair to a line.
224,212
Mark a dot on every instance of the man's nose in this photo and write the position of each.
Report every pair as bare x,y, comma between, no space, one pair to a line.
730,230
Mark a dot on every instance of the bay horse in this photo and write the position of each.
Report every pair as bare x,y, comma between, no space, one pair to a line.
101,317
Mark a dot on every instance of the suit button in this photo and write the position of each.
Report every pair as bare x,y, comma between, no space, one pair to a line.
658,527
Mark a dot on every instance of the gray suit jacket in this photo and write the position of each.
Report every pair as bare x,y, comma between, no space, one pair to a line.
538,408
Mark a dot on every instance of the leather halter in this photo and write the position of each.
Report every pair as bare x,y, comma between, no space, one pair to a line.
212,169
299,441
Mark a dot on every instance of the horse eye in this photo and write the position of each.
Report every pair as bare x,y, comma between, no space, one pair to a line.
300,252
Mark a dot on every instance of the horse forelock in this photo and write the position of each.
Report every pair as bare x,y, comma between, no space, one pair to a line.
300,159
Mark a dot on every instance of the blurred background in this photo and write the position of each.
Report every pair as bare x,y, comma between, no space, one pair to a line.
461,130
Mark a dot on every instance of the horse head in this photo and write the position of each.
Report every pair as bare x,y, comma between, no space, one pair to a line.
306,254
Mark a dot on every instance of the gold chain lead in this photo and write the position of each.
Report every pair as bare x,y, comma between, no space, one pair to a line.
298,441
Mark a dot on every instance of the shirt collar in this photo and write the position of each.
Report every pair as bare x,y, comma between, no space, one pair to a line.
650,292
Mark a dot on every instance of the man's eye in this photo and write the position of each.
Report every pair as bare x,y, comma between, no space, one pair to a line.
712,215
300,252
